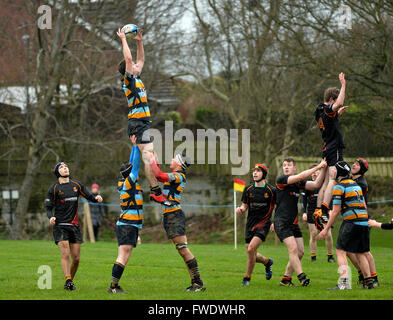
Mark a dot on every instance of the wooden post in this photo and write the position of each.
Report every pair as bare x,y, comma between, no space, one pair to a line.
88,222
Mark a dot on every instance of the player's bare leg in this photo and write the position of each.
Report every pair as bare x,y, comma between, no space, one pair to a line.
155,191
75,250
192,266
296,251
313,241
64,248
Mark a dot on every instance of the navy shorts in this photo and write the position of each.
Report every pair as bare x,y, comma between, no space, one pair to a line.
332,156
353,238
261,232
285,230
127,235
69,233
139,129
174,223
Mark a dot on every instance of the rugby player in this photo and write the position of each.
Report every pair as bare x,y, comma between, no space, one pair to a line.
309,206
288,190
354,235
326,115
131,217
259,198
63,196
358,170
139,118
174,220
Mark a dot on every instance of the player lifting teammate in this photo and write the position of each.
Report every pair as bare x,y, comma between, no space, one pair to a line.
259,198
174,220
288,190
139,114
309,205
326,115
130,221
354,235
63,196
358,169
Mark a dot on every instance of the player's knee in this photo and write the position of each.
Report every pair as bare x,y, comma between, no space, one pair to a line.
76,259
251,250
180,247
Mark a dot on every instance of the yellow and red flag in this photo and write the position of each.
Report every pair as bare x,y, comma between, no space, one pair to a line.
238,185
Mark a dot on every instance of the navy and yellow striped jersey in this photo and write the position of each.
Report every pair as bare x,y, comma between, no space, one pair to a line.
173,189
135,92
131,194
349,195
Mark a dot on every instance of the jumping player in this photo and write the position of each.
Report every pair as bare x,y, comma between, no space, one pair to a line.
139,114
309,205
174,220
326,115
358,170
354,235
259,198
288,190
131,217
63,196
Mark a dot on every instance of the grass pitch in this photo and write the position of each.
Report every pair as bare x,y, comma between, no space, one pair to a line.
156,272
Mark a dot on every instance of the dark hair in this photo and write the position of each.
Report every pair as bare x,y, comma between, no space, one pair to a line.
331,93
122,67
125,169
289,160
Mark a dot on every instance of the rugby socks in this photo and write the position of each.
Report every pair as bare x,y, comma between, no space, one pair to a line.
192,265
368,283
313,257
360,277
117,271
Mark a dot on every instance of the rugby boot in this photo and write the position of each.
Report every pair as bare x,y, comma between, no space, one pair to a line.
268,269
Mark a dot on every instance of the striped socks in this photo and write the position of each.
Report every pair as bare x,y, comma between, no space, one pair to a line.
117,271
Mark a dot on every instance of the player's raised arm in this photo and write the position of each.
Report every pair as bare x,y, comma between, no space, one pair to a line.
340,99
84,192
126,50
161,176
317,183
305,174
140,54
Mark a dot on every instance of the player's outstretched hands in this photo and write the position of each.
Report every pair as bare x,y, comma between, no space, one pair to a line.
373,223
139,35
341,110
322,164
99,198
121,33
341,76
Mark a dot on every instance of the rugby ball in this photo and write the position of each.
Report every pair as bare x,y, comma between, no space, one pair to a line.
131,30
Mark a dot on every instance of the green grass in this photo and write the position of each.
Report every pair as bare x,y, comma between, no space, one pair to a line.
156,271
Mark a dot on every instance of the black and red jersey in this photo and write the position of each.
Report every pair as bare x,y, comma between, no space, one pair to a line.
63,197
261,202
287,199
310,198
327,120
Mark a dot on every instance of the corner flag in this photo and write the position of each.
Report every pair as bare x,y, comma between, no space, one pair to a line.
238,185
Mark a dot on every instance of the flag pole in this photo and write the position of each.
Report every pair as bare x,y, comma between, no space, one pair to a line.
234,217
